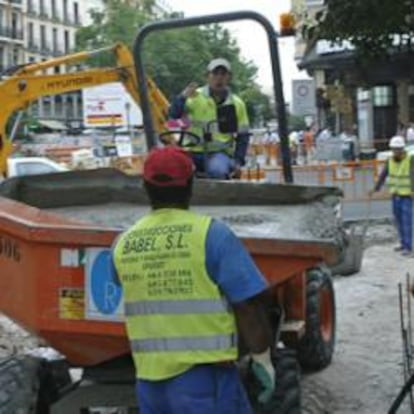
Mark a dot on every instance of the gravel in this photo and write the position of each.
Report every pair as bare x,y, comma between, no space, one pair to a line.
314,221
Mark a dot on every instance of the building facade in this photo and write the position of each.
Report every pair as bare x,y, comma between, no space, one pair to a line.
37,30
378,100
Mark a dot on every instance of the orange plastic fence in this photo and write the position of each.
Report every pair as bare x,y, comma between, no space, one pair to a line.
355,178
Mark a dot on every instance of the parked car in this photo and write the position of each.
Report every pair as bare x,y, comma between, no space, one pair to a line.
20,166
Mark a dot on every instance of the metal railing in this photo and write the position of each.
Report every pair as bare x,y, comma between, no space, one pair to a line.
11,33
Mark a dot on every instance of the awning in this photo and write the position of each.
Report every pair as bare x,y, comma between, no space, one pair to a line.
52,124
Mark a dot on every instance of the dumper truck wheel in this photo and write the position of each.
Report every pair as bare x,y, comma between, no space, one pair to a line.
287,396
19,384
316,347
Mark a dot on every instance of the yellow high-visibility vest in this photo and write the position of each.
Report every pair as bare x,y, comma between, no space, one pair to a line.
399,176
176,316
202,110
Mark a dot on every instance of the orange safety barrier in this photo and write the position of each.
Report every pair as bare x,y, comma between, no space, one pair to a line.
354,178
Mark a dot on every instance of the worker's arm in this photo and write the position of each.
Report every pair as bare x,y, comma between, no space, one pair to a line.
412,173
243,137
253,324
177,108
231,267
242,144
381,179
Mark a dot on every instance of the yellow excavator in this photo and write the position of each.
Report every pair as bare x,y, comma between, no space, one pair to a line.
30,82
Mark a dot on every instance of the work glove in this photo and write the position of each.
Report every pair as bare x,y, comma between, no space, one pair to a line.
264,372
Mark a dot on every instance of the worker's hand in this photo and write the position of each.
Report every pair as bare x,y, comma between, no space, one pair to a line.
264,372
190,90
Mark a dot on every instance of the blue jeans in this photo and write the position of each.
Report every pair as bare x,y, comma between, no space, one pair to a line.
216,165
204,389
402,208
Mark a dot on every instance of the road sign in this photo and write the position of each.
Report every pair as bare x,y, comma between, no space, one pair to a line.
304,97
104,296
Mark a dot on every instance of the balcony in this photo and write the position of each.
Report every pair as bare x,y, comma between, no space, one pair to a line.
72,21
45,50
57,52
31,12
33,48
14,3
43,15
55,18
11,33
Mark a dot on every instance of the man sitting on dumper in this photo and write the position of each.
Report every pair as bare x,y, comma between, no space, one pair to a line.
220,153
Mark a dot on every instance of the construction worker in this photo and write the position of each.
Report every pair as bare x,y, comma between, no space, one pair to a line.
400,172
186,280
225,153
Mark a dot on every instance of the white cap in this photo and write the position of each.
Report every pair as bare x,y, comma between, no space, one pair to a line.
219,62
397,142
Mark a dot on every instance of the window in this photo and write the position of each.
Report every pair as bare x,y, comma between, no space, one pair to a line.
54,11
55,40
14,23
65,10
43,36
76,13
42,7
30,34
30,6
16,55
1,57
67,41
383,96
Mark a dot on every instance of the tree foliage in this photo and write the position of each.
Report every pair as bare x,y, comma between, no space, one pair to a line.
375,27
173,58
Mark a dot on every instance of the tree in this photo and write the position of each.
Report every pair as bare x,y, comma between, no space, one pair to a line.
174,58
376,28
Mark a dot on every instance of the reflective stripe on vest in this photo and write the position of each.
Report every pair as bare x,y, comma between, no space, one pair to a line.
200,343
399,176
176,316
166,307
202,110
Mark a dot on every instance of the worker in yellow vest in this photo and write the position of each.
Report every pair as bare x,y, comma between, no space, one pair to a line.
400,172
186,280
222,156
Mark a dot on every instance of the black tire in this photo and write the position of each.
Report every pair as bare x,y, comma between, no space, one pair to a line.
316,347
19,384
54,380
287,396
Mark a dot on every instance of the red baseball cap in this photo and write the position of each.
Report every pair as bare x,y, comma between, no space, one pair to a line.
168,167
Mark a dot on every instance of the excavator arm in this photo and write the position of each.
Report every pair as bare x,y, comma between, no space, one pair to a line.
30,83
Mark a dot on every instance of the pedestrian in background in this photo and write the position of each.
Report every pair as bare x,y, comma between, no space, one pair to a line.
400,172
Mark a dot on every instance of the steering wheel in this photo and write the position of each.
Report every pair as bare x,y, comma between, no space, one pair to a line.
192,139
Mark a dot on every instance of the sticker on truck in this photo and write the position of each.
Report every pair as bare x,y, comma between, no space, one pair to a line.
103,294
72,303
